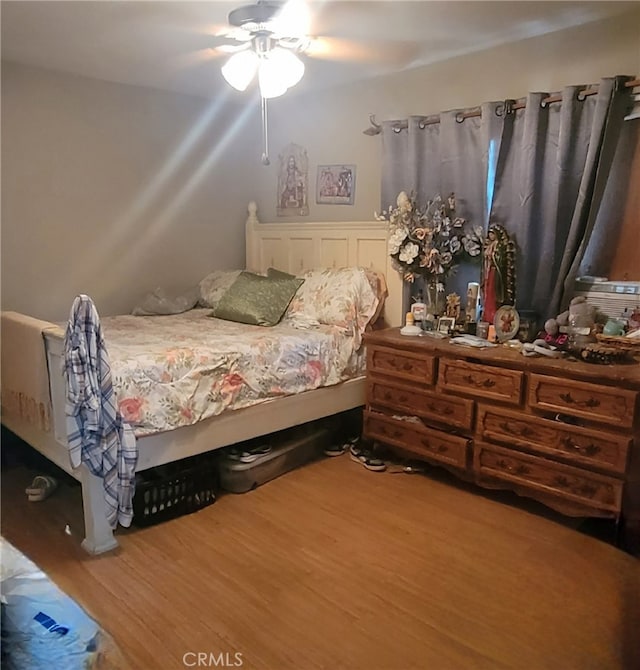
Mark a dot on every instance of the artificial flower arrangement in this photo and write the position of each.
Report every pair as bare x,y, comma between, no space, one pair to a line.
425,242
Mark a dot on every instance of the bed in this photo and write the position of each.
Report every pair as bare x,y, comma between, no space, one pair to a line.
39,417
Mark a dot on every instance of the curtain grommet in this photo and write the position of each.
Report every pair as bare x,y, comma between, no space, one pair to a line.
459,117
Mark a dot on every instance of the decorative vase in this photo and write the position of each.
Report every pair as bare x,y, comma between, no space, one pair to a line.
435,296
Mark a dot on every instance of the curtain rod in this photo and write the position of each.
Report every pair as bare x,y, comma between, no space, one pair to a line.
508,105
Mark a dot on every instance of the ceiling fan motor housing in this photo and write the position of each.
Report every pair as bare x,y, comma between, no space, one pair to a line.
255,17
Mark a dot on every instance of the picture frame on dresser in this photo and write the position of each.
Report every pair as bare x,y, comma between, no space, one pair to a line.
446,324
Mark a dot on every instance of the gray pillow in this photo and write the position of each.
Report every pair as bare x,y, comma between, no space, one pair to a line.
162,302
257,300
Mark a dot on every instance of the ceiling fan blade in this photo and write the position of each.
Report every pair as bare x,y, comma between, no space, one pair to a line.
393,53
292,21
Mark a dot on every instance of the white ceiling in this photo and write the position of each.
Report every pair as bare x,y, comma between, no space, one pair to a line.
167,45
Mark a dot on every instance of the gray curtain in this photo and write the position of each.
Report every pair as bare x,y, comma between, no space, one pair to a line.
456,155
554,175
553,168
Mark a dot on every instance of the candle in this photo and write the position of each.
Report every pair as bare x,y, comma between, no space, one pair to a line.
473,289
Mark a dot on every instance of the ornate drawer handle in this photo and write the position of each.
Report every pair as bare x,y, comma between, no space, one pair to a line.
441,448
587,449
388,395
484,383
519,469
401,365
570,400
524,431
447,411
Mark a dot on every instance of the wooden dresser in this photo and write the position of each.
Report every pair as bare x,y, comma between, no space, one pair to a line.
563,432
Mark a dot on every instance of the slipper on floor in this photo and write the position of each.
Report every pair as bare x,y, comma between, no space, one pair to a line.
369,461
41,488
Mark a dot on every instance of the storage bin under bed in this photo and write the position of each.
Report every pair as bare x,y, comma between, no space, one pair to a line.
289,450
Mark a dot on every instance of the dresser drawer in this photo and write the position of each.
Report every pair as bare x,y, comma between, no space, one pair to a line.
580,487
481,381
604,404
580,446
448,410
414,437
407,365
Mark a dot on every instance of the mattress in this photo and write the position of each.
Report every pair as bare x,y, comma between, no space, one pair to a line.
173,371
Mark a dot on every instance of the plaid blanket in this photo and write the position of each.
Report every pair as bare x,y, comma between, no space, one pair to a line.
97,435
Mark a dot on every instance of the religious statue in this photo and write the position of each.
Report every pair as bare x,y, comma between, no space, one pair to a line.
453,306
498,271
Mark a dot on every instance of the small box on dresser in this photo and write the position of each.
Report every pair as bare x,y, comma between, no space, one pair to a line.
566,433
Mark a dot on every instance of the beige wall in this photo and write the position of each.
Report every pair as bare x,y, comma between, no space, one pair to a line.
113,190
329,125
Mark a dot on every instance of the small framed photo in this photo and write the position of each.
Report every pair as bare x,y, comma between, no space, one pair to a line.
446,324
336,184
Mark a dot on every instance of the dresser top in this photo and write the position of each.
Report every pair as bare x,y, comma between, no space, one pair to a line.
625,374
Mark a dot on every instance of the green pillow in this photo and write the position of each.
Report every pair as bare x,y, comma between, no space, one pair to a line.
279,274
257,300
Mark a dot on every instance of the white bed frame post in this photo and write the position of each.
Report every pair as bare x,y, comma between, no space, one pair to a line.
98,534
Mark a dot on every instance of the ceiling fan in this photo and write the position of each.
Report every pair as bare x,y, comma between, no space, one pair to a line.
264,39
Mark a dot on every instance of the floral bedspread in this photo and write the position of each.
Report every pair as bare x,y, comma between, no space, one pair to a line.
172,371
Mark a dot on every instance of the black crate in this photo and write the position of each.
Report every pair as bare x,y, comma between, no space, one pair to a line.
169,491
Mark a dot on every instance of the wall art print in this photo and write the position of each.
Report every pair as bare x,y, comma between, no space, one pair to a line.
293,182
336,184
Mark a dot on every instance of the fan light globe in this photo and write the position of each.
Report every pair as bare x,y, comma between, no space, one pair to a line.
289,66
240,69
278,69
272,83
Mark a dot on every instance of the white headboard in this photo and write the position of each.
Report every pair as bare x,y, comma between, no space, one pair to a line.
300,246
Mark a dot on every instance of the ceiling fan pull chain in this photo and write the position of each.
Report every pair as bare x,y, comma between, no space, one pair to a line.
265,135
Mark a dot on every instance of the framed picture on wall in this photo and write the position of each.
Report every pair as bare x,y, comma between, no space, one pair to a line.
336,184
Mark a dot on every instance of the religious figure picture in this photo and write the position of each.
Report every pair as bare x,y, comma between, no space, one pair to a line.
336,184
293,182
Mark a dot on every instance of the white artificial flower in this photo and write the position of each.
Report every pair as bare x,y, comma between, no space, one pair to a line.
403,202
396,239
409,252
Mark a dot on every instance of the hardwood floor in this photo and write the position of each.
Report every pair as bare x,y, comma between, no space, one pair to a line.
333,566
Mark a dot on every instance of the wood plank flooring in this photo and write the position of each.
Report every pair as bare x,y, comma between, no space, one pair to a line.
333,566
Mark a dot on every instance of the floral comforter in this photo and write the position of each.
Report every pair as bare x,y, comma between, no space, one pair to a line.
172,371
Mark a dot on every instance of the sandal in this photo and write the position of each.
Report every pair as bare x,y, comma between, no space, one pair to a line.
41,488
369,461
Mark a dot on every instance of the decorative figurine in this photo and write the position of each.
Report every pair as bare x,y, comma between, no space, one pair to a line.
498,271
453,306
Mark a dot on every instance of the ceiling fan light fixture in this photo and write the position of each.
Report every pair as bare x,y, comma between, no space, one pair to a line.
289,66
240,69
272,83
